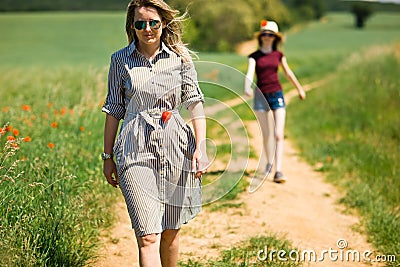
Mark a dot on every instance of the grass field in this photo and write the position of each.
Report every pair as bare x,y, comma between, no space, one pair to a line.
357,142
54,200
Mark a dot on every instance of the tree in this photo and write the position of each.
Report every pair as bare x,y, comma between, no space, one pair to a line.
361,12
270,10
219,25
308,9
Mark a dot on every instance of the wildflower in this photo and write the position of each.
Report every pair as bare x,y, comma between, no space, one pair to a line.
8,128
166,115
63,111
15,132
51,145
82,128
2,131
5,109
264,23
54,124
15,146
49,105
26,107
45,116
10,138
27,139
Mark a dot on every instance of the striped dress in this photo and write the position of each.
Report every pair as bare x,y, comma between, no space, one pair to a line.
153,157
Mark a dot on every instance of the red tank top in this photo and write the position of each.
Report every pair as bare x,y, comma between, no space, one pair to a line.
267,66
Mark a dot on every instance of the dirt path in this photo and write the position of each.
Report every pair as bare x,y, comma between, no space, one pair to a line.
304,210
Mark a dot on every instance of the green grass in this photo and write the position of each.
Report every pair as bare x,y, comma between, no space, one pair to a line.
316,49
54,39
356,141
53,200
255,252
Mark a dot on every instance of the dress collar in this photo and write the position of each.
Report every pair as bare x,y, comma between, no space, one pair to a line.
164,48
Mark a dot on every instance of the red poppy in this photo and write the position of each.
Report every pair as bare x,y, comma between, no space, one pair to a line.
15,132
26,107
27,139
54,124
51,145
264,23
82,129
8,128
10,138
166,115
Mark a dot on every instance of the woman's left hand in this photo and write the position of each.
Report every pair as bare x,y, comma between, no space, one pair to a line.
200,163
302,94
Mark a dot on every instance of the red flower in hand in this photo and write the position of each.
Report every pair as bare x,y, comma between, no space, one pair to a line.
166,115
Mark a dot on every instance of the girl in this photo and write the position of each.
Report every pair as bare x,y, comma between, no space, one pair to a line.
268,94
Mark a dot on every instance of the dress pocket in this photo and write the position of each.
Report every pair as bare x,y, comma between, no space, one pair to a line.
188,142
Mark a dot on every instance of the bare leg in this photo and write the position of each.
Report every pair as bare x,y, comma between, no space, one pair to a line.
169,248
266,121
149,249
279,116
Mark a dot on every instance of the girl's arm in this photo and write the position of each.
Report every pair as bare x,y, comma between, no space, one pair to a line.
292,78
249,77
200,159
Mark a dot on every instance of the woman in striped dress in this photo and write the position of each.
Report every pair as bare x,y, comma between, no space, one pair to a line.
156,160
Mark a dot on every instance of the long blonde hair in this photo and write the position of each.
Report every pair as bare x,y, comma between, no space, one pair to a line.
172,33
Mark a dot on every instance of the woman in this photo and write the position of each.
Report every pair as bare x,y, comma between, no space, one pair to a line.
268,94
158,162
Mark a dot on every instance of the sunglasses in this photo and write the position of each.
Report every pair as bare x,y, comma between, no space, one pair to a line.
267,34
142,24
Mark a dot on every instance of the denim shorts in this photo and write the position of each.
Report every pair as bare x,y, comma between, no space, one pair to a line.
268,101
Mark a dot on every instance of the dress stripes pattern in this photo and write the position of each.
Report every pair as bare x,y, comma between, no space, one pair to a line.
154,158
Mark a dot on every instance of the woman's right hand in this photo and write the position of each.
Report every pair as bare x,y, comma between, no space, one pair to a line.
248,92
110,172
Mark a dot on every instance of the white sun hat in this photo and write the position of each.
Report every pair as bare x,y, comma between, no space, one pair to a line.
269,25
